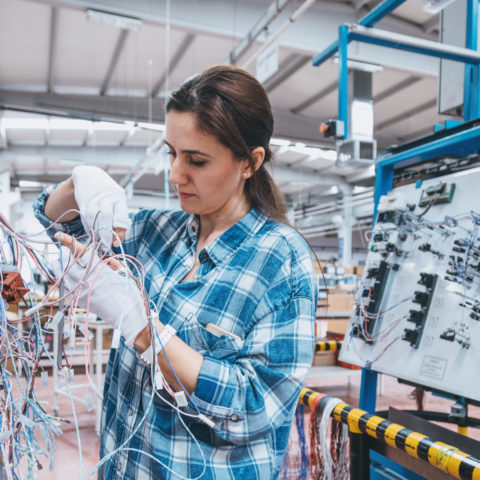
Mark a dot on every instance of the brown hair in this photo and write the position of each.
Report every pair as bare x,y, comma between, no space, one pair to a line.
232,105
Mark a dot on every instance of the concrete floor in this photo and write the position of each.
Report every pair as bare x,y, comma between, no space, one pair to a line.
67,462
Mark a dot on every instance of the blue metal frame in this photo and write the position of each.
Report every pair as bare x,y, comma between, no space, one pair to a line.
343,77
368,20
471,101
458,144
461,143
383,42
472,66
345,36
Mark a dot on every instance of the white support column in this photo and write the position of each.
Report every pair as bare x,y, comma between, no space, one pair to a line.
345,231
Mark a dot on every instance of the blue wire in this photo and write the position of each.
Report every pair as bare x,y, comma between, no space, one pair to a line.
174,373
10,243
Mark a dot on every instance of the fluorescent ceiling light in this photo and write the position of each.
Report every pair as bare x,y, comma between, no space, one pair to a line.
434,6
279,141
24,123
110,126
360,189
69,124
113,20
358,65
152,126
28,183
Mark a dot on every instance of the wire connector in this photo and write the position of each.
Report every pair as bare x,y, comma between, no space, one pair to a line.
206,420
181,398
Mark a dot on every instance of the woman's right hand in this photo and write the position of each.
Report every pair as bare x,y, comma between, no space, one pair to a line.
102,204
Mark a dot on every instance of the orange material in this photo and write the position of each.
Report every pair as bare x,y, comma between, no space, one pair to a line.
13,287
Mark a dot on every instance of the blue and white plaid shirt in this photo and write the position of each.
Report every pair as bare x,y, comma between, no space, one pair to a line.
256,281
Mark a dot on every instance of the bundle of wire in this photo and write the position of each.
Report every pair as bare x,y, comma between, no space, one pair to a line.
328,460
27,429
295,461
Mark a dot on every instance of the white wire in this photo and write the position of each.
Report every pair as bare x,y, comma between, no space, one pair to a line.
324,444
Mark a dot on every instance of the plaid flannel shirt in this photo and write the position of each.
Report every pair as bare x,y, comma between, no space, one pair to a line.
256,281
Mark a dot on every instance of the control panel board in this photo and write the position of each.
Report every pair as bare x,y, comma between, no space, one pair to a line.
417,312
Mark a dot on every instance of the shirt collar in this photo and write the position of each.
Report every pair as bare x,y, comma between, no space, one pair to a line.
193,225
231,240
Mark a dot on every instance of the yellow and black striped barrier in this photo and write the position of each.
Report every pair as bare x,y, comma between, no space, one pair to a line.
445,457
328,346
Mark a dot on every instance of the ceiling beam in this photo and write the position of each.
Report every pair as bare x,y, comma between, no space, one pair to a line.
316,33
88,107
315,98
260,26
409,113
291,65
52,50
408,82
122,37
177,56
121,108
126,156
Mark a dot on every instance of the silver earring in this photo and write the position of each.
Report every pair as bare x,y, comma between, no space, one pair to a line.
245,174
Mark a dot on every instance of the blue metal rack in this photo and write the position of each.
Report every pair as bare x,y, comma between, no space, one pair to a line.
348,33
454,139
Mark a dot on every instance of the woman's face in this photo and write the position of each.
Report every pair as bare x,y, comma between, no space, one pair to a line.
208,178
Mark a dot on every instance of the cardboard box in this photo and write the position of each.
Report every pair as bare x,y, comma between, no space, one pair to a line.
337,326
341,301
358,270
318,267
324,359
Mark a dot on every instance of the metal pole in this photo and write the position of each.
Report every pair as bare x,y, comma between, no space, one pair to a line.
343,77
471,108
368,20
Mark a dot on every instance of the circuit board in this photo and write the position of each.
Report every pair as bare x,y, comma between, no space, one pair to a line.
417,312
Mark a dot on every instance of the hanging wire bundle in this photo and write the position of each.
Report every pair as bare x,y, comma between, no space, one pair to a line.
295,461
27,427
328,459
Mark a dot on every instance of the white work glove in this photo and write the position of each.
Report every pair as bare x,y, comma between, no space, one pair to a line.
114,295
101,201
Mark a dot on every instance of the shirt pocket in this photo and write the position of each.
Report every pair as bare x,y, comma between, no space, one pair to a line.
198,337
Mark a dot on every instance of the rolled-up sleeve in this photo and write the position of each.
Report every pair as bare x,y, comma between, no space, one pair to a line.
73,227
257,393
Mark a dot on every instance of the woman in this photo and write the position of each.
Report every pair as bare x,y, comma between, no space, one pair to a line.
233,280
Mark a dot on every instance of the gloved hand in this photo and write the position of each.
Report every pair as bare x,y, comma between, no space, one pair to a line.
113,295
101,201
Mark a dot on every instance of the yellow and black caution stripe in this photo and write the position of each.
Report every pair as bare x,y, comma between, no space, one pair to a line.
328,346
447,458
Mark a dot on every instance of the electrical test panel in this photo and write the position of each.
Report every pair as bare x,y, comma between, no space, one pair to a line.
417,312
